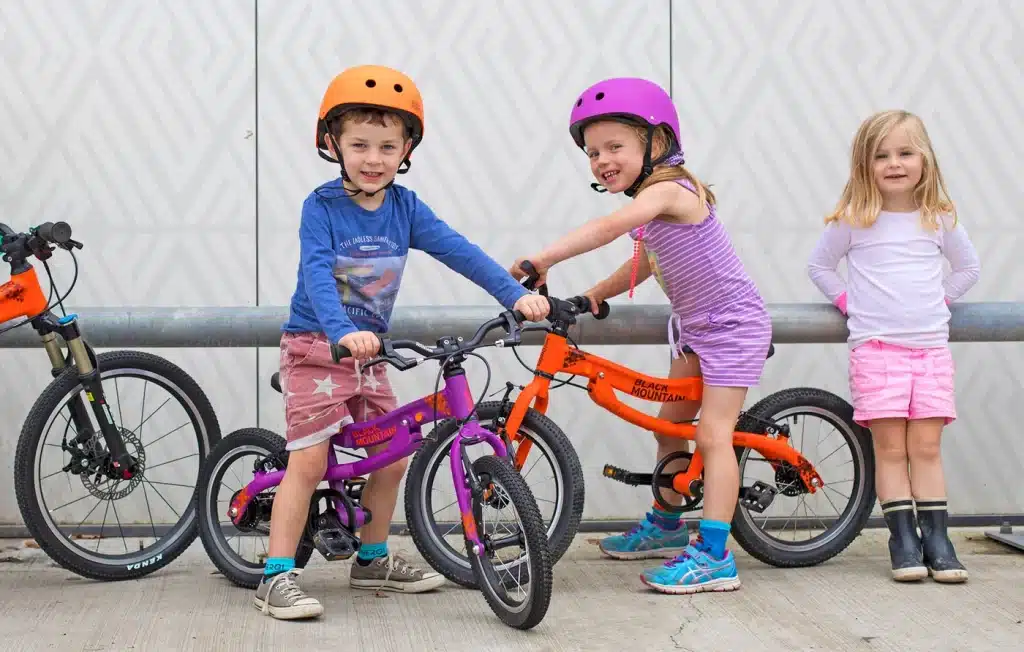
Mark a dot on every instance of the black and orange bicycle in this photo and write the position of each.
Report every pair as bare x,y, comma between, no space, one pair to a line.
770,436
73,490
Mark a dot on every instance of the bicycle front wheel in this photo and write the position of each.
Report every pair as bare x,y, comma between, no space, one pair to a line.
552,472
520,599
103,528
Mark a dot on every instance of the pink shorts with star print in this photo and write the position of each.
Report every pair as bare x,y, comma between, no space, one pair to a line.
320,397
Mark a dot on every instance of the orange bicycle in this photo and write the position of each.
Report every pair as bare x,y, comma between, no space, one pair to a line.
763,435
72,490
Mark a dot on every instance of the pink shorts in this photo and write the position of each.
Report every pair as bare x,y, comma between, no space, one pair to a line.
320,397
889,381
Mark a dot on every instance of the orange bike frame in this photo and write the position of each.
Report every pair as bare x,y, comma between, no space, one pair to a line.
22,296
606,377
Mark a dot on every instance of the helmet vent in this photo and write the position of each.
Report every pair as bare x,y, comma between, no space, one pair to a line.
398,88
599,96
370,83
579,102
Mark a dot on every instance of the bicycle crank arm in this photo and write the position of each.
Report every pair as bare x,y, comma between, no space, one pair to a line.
631,478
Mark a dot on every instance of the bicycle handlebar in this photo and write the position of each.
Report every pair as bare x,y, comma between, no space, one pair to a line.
36,242
562,313
510,320
581,302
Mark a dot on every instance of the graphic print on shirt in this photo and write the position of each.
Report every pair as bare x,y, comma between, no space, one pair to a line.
652,260
368,271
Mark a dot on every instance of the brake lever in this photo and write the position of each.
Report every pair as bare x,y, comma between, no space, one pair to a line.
513,328
397,360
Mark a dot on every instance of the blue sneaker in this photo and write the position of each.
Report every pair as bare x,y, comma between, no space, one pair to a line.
647,540
693,571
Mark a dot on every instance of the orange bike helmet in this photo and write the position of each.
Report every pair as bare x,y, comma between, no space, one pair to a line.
376,87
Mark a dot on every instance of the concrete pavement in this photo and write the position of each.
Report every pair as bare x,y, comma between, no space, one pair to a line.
597,604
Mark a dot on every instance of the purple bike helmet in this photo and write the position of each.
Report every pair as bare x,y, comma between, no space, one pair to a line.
632,100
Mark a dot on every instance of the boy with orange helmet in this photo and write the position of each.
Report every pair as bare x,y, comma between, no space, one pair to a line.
355,234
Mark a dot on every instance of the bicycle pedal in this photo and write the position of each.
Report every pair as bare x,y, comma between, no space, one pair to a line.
335,544
627,477
758,497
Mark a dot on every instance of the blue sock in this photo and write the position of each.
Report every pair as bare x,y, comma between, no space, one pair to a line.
664,520
277,565
370,551
713,535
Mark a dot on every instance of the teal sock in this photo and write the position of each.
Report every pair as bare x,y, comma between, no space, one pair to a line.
278,565
713,535
370,551
665,520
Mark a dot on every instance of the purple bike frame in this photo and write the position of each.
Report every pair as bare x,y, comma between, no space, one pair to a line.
402,428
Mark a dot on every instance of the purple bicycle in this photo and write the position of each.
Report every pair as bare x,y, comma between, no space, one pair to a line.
520,599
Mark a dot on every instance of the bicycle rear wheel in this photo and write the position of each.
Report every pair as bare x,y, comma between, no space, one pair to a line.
68,537
849,476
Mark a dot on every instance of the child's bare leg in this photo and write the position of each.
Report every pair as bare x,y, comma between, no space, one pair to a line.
661,533
374,567
892,484
278,593
707,565
924,438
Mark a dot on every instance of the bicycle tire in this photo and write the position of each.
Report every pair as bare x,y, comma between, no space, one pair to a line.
840,414
534,532
433,452
57,546
242,574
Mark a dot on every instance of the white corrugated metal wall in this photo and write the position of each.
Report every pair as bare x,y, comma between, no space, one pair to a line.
177,139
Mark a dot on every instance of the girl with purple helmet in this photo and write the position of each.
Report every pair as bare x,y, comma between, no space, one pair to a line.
719,327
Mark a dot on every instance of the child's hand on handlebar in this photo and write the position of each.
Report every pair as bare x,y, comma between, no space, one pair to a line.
362,344
518,273
596,299
534,307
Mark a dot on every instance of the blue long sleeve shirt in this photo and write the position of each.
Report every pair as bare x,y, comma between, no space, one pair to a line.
351,260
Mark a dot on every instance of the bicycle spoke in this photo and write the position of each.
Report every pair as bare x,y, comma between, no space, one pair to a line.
177,459
143,411
149,510
171,484
102,525
169,434
138,430
117,394
146,481
72,502
119,528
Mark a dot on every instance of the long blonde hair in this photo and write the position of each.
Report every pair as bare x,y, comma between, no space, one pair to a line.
669,172
861,201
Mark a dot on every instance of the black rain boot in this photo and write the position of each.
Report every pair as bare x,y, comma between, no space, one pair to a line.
905,550
939,555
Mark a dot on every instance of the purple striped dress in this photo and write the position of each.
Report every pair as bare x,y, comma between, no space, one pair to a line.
716,307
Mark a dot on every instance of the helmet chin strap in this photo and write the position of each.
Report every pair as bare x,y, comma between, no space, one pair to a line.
648,166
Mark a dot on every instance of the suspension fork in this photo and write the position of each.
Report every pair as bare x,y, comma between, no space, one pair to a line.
122,465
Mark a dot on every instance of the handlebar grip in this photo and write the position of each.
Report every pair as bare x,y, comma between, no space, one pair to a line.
603,310
518,316
339,352
532,277
55,232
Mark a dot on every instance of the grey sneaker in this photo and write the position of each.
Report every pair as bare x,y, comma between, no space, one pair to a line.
393,573
282,598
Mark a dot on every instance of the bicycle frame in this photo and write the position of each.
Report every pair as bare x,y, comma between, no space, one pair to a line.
605,377
403,429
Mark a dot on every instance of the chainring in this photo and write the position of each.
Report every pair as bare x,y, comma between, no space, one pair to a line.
690,503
